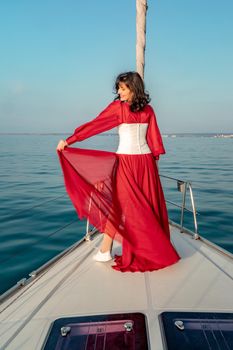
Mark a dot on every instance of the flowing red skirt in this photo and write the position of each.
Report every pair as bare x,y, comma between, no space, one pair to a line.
122,196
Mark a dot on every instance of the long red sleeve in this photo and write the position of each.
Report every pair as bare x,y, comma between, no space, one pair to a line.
106,120
154,138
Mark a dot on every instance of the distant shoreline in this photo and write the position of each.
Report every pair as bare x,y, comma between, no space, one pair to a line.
178,134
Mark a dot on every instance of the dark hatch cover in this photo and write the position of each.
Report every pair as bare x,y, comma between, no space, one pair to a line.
197,330
100,332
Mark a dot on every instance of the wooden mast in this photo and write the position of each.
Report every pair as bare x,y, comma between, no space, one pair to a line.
141,8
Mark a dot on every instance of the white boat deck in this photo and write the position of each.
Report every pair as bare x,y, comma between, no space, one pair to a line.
77,286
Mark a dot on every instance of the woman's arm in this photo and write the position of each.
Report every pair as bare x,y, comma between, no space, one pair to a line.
106,120
154,138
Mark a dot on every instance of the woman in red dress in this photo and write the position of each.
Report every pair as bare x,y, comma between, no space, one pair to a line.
120,193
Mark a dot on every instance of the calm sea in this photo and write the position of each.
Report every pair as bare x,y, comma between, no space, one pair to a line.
37,219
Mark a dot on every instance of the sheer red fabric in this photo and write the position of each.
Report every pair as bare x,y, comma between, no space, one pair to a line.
121,194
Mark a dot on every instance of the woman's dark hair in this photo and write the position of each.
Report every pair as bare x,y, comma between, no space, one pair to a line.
135,83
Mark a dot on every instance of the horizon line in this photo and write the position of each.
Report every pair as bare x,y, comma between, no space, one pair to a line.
66,133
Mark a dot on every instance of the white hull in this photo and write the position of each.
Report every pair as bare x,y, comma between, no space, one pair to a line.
76,285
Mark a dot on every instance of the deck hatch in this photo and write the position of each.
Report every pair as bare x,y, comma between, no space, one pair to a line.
197,330
99,332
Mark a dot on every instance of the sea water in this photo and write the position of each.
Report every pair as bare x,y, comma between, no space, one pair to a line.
37,219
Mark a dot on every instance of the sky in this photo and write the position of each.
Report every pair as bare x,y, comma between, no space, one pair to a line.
59,60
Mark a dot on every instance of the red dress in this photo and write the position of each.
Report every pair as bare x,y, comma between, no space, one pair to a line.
120,193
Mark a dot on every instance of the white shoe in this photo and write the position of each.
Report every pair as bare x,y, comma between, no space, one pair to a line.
102,257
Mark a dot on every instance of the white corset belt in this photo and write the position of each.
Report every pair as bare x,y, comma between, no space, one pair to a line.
133,138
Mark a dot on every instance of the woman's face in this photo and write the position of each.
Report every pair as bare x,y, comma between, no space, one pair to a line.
124,92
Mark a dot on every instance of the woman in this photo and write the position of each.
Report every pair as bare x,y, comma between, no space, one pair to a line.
120,193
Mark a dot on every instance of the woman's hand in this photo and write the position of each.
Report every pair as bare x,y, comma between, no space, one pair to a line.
61,145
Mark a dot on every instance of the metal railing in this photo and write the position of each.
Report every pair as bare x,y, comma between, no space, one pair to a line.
184,187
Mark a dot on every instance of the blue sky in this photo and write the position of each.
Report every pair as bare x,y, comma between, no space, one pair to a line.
59,59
